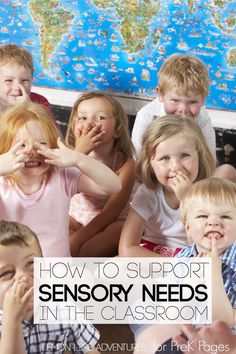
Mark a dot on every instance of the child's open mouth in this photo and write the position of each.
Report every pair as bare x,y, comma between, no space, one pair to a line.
32,164
213,234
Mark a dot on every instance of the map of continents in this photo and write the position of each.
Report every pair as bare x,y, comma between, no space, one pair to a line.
53,22
119,45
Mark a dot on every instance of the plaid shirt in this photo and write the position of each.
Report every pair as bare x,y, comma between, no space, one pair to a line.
52,339
228,258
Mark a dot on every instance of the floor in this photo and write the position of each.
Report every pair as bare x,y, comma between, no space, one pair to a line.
115,339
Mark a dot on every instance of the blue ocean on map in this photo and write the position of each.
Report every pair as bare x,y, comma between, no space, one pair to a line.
88,44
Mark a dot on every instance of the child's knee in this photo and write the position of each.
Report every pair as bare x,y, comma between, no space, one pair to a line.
226,171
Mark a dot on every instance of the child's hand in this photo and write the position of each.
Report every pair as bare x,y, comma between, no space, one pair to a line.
83,127
12,160
214,254
179,183
90,136
18,300
24,97
61,157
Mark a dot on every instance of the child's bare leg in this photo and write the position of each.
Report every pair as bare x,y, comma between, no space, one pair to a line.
153,337
74,225
103,244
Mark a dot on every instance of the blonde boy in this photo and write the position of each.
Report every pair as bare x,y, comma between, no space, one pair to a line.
208,211
16,75
18,247
183,85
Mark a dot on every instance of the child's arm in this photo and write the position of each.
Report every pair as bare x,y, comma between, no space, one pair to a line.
111,210
15,306
131,235
12,160
220,299
12,329
217,335
96,177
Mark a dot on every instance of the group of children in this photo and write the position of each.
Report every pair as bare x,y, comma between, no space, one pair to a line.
92,196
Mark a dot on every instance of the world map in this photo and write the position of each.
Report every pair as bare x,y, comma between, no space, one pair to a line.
118,46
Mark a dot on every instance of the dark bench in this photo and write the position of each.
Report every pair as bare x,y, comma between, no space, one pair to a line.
223,136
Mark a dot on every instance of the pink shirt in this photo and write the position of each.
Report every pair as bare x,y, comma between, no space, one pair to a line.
84,208
46,212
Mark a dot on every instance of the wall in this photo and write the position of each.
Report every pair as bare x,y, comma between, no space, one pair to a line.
224,122
220,119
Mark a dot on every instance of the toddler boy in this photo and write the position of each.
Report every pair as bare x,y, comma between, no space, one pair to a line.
18,247
208,211
183,85
16,75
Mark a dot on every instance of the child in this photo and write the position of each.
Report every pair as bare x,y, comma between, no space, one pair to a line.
174,155
18,247
183,85
16,75
208,211
34,190
98,127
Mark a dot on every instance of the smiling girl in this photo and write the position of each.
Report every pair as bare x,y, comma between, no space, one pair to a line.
39,175
99,127
174,155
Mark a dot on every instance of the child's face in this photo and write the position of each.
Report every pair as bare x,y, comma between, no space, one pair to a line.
12,78
206,220
29,134
173,156
96,111
16,263
187,106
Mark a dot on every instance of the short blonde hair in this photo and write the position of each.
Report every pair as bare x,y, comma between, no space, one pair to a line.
183,74
217,191
14,233
122,142
12,53
164,128
16,117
